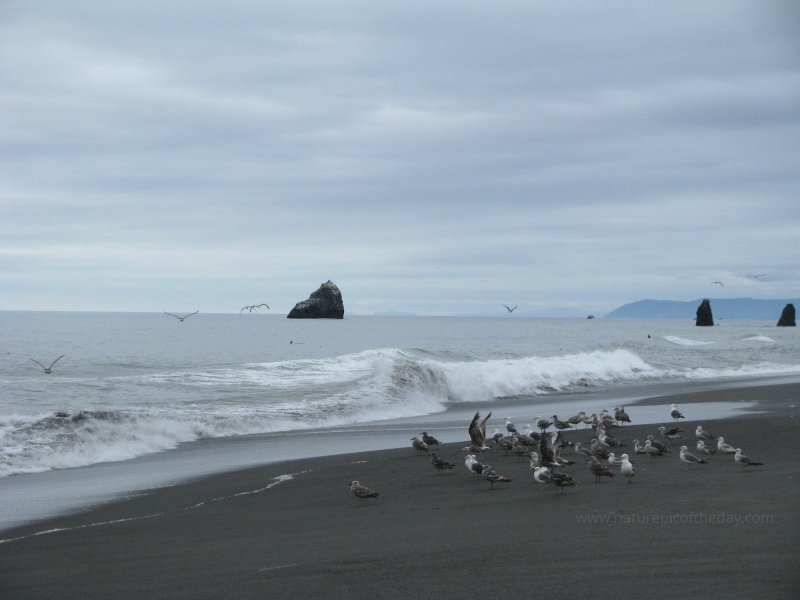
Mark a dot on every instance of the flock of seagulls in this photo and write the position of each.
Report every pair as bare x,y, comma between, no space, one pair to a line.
603,456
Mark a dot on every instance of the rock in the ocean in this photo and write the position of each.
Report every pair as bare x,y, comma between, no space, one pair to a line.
787,317
325,303
704,318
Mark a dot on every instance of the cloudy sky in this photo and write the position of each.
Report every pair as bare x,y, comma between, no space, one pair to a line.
437,157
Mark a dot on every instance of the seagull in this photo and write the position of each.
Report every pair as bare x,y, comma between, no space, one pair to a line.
510,427
477,433
49,369
541,475
361,492
724,447
535,462
703,449
656,444
702,434
542,423
472,465
429,439
506,444
719,283
490,475
583,452
577,418
675,413
613,460
253,307
690,459
440,464
511,310
561,479
598,449
673,433
651,450
626,468
758,275
745,461
497,436
181,318
608,440
419,445
561,424
599,470
620,415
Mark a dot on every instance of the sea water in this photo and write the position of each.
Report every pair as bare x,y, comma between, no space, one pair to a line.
142,399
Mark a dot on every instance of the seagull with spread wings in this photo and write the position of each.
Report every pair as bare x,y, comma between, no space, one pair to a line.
49,369
183,317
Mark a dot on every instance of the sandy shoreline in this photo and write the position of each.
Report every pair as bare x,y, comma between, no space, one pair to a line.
294,528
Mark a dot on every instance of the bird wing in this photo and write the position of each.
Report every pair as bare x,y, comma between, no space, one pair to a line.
190,314
55,361
475,430
37,362
483,428
171,315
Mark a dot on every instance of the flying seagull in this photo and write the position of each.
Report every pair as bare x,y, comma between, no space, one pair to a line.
719,283
49,369
510,309
757,276
361,491
181,318
253,307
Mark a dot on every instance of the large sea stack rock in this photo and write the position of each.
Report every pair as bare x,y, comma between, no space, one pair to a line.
787,317
704,318
325,303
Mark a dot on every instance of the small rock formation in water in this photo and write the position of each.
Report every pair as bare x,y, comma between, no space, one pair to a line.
325,303
704,318
787,317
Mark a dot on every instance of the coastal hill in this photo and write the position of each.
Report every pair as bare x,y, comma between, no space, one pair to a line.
722,308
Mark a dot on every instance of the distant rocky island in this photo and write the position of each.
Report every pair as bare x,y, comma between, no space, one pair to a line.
724,308
324,303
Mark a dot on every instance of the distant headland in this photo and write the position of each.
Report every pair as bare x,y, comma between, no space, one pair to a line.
724,308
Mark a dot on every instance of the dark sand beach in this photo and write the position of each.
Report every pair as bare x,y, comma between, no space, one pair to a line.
717,530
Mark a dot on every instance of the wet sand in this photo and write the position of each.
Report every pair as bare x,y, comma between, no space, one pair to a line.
294,529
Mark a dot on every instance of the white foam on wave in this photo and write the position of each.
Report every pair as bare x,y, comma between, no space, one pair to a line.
759,338
684,341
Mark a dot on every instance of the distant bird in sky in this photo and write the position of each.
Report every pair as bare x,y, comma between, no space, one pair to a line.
510,309
719,283
757,276
253,307
49,369
183,317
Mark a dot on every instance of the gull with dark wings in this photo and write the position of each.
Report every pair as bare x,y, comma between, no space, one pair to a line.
183,317
509,309
477,433
49,369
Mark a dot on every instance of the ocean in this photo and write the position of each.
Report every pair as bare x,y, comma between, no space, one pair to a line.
142,400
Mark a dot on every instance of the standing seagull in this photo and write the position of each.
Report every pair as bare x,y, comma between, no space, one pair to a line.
429,439
419,445
510,427
745,461
626,468
725,447
511,310
490,475
440,463
690,459
181,318
361,491
620,415
675,413
702,434
49,369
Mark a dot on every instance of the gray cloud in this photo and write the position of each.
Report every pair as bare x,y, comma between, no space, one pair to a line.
428,157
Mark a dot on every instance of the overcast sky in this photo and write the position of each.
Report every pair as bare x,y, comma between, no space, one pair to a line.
433,157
